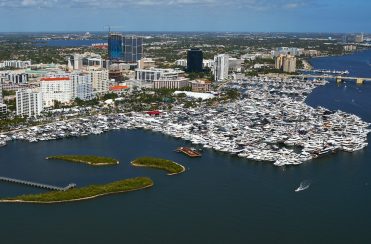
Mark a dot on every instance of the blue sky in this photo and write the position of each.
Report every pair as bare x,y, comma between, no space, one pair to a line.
187,15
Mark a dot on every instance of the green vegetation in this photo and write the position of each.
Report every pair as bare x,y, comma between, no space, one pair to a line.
6,123
8,93
86,159
85,193
159,163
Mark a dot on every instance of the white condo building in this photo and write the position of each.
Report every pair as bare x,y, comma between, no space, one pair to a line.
28,103
100,80
56,89
221,67
82,86
157,74
3,107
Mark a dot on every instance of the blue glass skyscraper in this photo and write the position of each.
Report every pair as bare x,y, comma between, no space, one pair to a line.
126,49
115,47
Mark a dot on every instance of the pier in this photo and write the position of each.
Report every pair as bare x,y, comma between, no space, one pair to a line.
189,152
38,185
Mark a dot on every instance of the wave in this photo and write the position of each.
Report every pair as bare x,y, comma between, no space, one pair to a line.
304,185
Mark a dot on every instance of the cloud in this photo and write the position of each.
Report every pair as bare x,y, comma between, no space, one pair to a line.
249,4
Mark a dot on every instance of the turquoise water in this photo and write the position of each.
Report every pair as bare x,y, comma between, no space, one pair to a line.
220,199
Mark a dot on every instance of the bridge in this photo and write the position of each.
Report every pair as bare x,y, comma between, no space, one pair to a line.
339,79
38,185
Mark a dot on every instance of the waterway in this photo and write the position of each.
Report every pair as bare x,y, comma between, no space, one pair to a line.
220,199
68,43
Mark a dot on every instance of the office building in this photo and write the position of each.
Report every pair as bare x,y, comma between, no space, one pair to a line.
115,47
125,49
181,62
133,49
200,86
84,61
194,60
28,103
221,67
178,83
146,63
56,89
153,74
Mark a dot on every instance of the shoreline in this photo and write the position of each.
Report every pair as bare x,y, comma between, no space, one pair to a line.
77,199
168,174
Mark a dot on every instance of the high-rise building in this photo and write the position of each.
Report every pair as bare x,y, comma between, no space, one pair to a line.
286,63
123,48
56,89
289,64
28,103
115,47
100,80
279,61
221,67
82,86
3,107
1,92
194,60
133,49
359,38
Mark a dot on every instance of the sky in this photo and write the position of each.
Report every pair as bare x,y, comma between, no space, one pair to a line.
186,15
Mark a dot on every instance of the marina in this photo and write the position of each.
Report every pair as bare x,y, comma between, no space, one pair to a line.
270,123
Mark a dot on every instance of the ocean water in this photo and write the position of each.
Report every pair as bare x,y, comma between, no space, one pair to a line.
220,199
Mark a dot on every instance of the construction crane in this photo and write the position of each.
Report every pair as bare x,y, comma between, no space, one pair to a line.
109,27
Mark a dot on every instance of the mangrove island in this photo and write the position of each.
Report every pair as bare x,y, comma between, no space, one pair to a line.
159,163
86,159
84,193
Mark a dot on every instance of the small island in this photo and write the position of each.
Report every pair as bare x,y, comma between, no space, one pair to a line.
159,163
84,193
86,159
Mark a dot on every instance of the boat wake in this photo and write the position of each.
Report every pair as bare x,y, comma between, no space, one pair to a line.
303,186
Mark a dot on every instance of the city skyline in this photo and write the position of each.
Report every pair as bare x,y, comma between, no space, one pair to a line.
186,15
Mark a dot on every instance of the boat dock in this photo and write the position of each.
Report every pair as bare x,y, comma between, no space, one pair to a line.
189,152
38,185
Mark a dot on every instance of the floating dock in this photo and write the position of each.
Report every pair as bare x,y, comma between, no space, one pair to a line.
38,185
189,152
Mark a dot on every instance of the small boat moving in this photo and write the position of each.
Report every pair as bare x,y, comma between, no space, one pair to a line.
303,186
